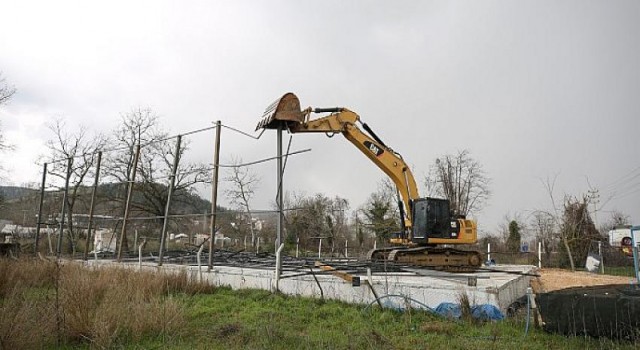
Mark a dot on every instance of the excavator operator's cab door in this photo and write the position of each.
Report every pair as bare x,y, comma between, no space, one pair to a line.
432,219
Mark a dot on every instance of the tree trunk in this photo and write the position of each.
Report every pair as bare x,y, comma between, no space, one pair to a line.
566,246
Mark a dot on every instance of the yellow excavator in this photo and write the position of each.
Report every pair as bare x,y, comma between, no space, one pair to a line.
427,223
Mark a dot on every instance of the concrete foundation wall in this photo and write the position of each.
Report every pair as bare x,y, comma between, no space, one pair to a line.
496,288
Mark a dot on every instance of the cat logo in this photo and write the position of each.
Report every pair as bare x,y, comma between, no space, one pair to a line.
373,148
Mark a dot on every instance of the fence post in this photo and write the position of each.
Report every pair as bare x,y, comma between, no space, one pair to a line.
278,265
489,252
319,247
132,180
539,255
92,206
64,207
601,257
172,181
44,179
214,195
635,252
346,247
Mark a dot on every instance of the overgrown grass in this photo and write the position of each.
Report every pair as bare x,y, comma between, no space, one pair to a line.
45,303
117,308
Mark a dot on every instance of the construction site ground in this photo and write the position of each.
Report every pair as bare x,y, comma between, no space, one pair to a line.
554,279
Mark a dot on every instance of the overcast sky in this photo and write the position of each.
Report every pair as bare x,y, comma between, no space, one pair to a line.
533,89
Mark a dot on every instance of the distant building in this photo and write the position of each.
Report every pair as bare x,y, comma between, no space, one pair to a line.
104,241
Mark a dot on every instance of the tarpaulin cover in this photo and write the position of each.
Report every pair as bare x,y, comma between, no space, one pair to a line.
611,311
484,312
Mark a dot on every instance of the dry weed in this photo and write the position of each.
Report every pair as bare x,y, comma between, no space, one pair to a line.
42,302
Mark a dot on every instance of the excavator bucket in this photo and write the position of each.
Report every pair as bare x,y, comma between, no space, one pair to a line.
284,112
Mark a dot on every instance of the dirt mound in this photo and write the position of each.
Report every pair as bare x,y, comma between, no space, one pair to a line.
555,279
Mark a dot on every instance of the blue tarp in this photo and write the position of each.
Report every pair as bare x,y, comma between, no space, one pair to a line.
483,312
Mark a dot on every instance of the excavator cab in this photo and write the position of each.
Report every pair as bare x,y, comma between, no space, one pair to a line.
432,219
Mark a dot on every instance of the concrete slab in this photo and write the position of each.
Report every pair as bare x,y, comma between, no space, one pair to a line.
500,286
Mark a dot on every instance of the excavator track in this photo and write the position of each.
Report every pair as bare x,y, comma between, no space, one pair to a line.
445,259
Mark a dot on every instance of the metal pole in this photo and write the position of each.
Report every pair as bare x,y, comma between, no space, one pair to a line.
278,266
214,194
280,185
601,257
92,207
172,181
140,254
199,261
320,247
539,255
489,252
132,180
64,206
635,252
346,247
44,179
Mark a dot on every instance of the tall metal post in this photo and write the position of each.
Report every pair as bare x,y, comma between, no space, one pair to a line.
634,244
214,194
44,179
172,181
93,205
280,224
123,233
64,207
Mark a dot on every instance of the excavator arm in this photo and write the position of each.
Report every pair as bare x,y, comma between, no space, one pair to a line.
346,122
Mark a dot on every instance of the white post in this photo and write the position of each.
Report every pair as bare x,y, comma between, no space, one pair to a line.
245,242
258,245
489,252
601,257
140,255
297,246
278,265
199,264
539,255
346,247
375,244
319,247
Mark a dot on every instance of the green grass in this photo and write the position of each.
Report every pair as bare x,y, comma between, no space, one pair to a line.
117,308
620,271
255,319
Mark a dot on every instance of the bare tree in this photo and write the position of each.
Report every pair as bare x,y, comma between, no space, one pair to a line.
575,226
82,149
243,185
578,228
141,127
6,91
381,211
315,217
616,219
460,179
544,226
337,221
